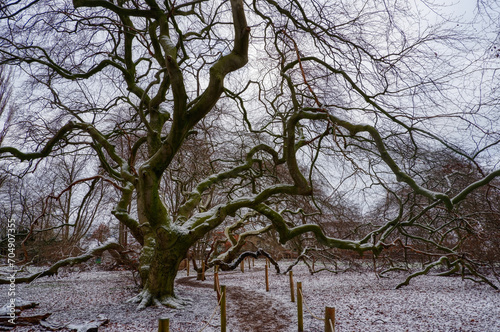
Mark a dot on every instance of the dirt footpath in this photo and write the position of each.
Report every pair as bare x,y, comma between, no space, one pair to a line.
250,311
256,312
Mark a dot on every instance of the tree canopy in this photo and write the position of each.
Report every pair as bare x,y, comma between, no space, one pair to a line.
264,115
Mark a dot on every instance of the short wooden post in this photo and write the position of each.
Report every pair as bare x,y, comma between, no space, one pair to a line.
242,265
163,324
267,278
203,271
223,321
329,319
300,312
216,281
292,291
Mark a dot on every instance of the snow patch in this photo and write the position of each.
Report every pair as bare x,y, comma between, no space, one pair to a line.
362,301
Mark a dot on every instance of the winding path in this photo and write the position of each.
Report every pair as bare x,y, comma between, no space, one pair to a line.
250,311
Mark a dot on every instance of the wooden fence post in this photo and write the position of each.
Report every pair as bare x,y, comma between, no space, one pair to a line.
267,278
223,321
329,319
292,291
163,324
300,313
216,281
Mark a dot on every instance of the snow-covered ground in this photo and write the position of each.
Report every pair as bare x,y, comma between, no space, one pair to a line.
362,302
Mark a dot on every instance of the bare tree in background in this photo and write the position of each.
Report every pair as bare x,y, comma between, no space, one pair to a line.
6,112
313,92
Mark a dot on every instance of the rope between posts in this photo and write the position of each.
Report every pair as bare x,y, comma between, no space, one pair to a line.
307,308
212,315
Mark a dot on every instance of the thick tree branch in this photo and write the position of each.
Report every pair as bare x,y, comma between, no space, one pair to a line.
473,186
65,262
46,150
382,151
195,196
116,9
184,120
286,233
233,265
236,246
121,213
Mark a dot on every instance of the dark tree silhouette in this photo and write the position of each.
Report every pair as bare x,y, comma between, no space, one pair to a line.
302,92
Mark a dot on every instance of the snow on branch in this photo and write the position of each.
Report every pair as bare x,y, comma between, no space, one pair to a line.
452,266
65,262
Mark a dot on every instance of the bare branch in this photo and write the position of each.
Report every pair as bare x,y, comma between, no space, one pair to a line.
65,262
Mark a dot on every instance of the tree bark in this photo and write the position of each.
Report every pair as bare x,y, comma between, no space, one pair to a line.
65,262
158,269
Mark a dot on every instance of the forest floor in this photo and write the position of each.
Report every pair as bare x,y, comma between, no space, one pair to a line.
362,301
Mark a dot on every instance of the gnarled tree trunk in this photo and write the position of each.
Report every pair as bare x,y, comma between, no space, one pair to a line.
159,266
165,245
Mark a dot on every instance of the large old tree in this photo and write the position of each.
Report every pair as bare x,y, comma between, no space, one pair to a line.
205,113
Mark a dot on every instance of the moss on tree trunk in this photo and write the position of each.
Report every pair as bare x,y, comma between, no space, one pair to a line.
158,269
164,245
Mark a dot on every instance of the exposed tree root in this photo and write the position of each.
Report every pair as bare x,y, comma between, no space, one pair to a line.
146,299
